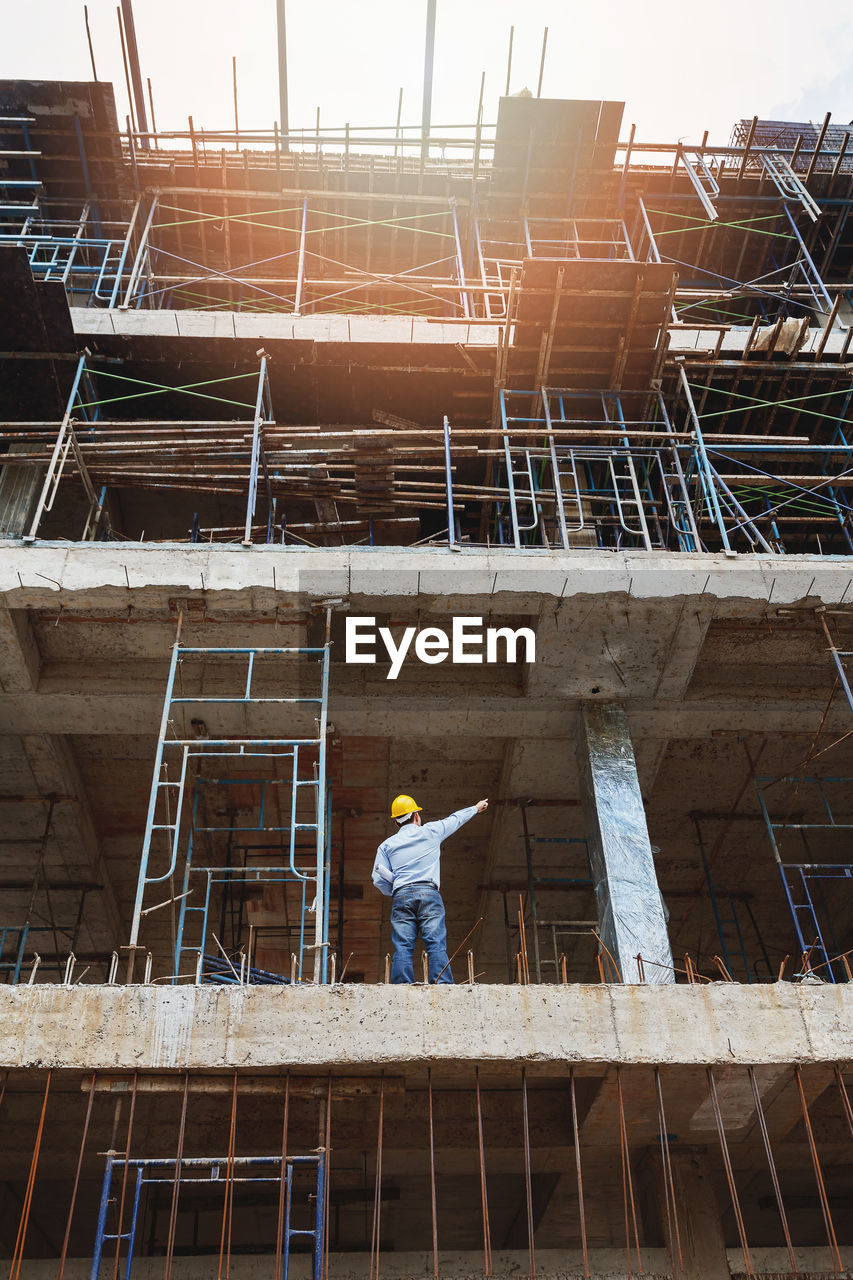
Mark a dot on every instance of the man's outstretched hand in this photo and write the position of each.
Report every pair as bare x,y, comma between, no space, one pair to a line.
482,806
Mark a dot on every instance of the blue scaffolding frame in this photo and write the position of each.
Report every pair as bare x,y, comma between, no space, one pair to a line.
174,824
803,881
245,1170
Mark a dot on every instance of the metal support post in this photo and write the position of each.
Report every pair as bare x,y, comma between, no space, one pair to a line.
448,472
135,72
141,254
711,487
257,446
300,270
56,466
281,30
630,908
429,56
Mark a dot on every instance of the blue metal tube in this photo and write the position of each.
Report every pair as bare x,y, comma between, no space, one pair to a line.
711,490
131,1235
100,1230
288,1197
319,1218
327,892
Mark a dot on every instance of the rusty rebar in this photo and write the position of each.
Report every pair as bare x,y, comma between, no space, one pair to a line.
228,1203
487,1241
627,1181
837,1264
674,1233
173,1213
845,1099
528,1182
472,930
579,1172
432,1178
774,1177
377,1190
65,1239
730,1177
522,940
21,1239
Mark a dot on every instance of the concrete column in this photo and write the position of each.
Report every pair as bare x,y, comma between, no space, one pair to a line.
630,911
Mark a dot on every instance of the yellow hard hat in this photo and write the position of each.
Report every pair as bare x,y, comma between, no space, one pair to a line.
403,805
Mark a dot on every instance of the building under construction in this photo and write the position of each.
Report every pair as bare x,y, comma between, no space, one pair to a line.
541,375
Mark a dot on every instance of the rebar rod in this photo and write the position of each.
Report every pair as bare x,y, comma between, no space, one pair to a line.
279,1233
837,1264
487,1241
173,1213
730,1179
673,1231
228,1202
21,1239
528,1185
432,1178
774,1177
627,1182
576,1135
377,1189
65,1239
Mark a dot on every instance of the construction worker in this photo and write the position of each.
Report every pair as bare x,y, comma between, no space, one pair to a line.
407,869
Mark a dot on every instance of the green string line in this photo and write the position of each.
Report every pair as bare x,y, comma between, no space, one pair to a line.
251,218
711,305
254,305
744,224
755,403
231,217
163,390
800,503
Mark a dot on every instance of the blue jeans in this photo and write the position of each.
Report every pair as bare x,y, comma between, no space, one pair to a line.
418,907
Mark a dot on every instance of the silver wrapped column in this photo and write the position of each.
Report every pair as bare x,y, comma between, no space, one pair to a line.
630,910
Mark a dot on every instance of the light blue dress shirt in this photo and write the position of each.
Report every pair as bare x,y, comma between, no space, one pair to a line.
413,853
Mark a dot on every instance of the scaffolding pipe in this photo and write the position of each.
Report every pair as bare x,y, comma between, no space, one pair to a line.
135,72
429,57
281,32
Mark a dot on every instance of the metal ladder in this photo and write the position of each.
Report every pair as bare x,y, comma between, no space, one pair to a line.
789,185
796,878
13,190
702,179
679,507
627,495
523,499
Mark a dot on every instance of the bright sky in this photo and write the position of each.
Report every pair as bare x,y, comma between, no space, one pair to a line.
682,67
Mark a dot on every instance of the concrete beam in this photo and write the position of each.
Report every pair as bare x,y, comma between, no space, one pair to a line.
350,1027
465,714
39,576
